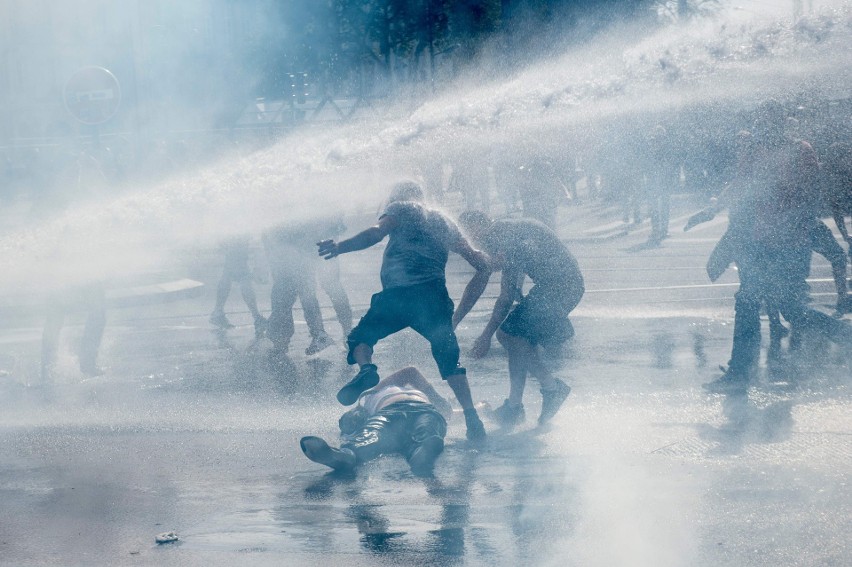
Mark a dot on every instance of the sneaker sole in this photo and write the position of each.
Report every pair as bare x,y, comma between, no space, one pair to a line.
313,351
319,451
349,393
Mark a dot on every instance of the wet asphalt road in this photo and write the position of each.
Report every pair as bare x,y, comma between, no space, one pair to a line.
191,431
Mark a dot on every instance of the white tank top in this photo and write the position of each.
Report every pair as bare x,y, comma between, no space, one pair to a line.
372,400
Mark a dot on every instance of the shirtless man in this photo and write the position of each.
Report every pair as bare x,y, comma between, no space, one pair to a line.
414,292
525,247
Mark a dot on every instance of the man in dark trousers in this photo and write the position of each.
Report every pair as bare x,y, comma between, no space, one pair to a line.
525,247
401,414
236,269
414,292
771,239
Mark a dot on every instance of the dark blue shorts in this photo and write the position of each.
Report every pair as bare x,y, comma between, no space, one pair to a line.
426,308
541,316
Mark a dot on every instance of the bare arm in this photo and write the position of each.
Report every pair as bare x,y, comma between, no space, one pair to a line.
472,292
508,290
329,249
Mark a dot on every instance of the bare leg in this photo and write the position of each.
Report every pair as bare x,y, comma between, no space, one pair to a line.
250,298
50,341
223,290
461,388
93,332
329,279
518,366
363,354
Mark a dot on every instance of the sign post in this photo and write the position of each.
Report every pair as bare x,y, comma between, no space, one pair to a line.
92,95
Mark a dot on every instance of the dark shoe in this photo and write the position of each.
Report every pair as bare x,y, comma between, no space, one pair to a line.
475,429
318,344
366,378
729,382
509,416
260,326
317,450
220,320
552,400
422,459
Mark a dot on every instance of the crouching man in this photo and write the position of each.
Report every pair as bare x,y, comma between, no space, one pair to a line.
401,414
520,248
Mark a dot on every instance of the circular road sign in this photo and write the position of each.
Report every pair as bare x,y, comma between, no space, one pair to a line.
92,95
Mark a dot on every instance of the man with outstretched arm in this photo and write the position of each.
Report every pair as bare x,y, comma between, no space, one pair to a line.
401,414
525,247
414,292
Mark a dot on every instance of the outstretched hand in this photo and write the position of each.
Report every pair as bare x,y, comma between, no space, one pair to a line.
328,249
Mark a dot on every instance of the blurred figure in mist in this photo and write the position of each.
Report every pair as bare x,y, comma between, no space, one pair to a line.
237,251
328,274
89,299
540,189
294,269
470,177
661,178
770,238
837,187
521,248
433,179
735,197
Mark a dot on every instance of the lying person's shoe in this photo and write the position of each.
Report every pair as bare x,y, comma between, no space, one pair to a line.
318,344
422,459
317,450
509,415
366,378
552,400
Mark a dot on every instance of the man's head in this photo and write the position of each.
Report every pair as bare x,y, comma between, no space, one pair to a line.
406,191
475,224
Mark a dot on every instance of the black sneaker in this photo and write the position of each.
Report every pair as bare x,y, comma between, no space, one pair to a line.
509,415
317,450
422,459
552,400
318,344
475,429
729,382
366,378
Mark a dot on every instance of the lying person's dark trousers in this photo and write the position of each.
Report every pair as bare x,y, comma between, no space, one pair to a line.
398,428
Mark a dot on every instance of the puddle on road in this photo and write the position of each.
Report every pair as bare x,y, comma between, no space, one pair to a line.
480,505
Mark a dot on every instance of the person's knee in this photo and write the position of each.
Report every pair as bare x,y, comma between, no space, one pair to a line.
502,337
